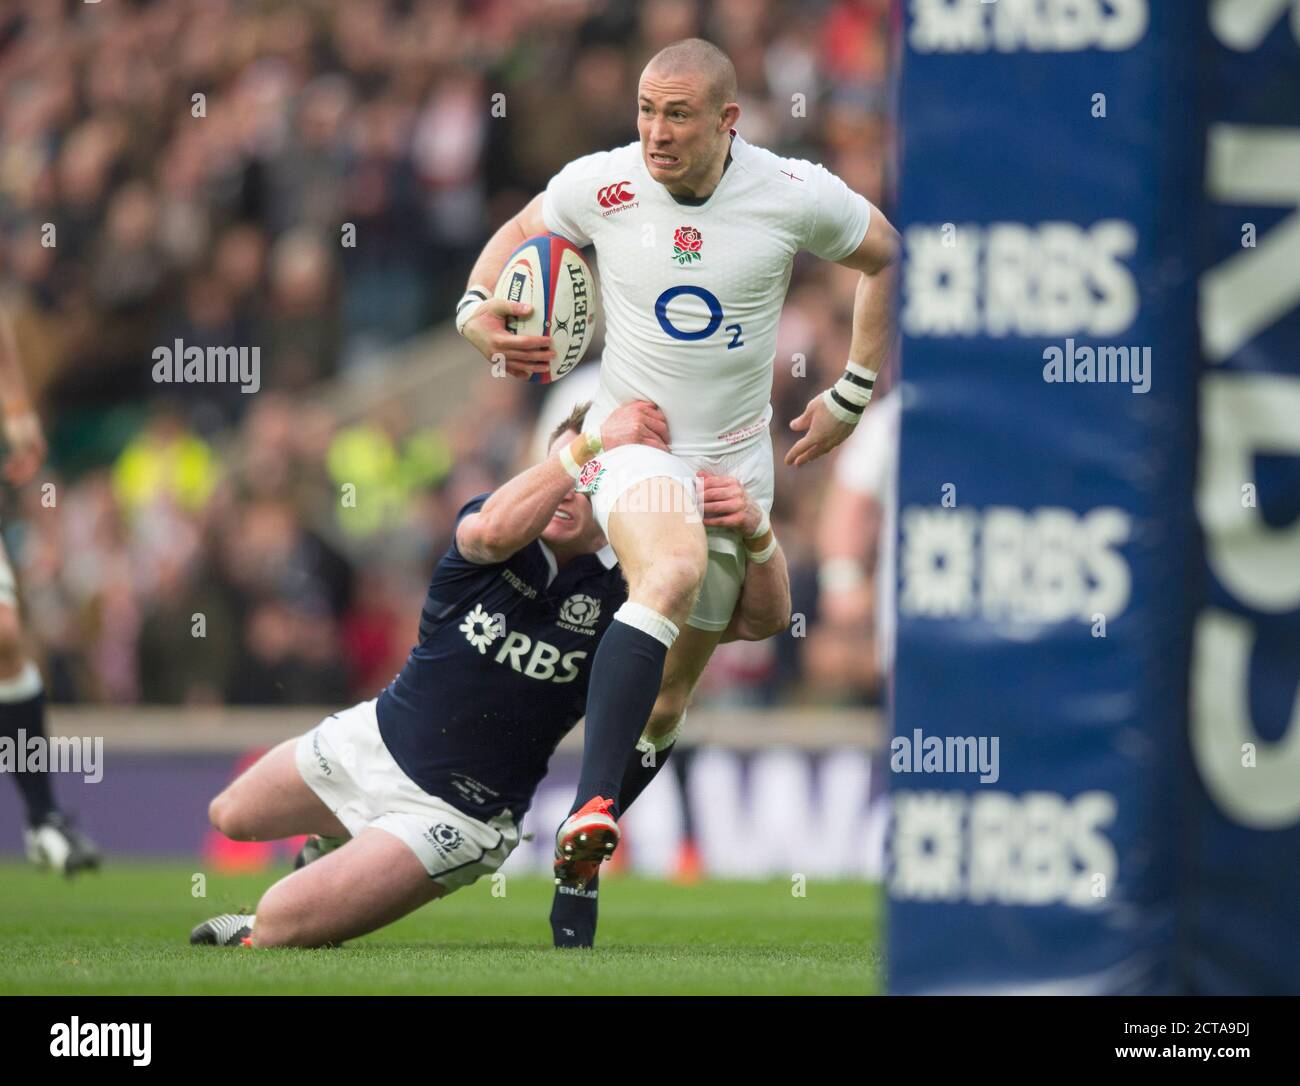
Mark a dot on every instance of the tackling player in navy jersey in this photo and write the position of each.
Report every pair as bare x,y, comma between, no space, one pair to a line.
426,785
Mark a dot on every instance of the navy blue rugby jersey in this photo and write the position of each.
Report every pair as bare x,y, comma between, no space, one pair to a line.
500,673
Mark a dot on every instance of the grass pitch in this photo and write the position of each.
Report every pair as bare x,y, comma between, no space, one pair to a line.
125,930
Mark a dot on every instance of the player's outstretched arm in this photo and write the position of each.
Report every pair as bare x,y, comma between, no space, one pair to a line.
763,609
22,426
830,416
519,510
480,318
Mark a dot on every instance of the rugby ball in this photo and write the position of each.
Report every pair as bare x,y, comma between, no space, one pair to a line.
550,274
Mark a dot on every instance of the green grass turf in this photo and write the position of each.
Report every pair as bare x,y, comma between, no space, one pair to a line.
124,930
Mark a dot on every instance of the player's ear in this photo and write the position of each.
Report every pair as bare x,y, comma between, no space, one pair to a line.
730,115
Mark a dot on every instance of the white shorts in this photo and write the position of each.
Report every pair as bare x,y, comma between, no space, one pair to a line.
613,473
345,762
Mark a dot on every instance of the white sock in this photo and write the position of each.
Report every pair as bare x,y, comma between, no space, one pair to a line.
645,744
648,620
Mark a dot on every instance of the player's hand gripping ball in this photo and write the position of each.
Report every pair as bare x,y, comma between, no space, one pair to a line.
551,275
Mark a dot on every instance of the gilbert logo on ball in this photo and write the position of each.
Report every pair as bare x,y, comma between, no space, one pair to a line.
550,274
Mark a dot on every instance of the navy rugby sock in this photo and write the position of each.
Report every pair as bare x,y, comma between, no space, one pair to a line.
642,766
573,916
573,912
22,709
625,676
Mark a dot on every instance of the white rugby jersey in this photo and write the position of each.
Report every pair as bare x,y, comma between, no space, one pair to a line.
692,295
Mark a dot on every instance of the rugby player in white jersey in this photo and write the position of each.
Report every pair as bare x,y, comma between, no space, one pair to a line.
695,231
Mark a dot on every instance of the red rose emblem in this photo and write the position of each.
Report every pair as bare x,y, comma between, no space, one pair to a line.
686,244
590,470
688,239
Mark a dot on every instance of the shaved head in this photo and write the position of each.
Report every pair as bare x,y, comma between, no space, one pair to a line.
686,114
697,57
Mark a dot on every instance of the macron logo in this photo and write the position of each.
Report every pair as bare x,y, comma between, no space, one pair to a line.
77,1038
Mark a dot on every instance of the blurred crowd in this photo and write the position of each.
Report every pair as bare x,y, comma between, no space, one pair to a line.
315,177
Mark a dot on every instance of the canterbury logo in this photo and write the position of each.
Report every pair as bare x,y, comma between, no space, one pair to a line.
615,195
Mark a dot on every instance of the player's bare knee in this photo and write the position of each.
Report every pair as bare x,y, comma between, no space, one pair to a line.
271,930
672,584
278,923
226,816
280,931
286,918
216,811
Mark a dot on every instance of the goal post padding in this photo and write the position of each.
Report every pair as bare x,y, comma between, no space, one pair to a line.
1047,555
1241,888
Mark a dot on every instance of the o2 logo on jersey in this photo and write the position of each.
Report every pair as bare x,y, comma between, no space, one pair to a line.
714,322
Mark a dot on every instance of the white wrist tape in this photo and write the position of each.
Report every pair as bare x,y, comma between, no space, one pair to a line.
851,393
468,305
570,462
765,554
764,526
